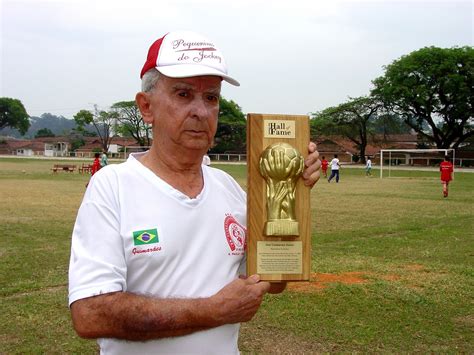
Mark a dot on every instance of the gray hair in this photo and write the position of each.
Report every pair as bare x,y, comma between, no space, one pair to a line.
149,79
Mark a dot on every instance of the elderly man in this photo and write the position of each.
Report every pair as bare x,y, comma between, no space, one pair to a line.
153,273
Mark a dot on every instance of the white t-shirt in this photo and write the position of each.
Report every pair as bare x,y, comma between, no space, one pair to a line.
136,233
369,164
335,164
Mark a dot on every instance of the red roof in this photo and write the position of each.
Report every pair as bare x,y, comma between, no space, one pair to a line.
14,144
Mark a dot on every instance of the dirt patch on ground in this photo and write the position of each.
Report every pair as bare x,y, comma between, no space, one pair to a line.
263,339
320,281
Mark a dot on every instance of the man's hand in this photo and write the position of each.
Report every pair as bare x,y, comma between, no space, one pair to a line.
240,300
312,166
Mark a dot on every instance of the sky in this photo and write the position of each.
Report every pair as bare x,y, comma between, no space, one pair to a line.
291,57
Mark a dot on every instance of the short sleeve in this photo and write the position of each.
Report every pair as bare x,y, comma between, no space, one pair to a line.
97,263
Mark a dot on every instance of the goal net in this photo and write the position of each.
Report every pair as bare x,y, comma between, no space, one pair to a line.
412,159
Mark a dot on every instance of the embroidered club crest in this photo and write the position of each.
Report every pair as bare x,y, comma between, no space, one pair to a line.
235,234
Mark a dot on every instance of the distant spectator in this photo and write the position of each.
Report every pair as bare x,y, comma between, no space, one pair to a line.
334,168
368,167
104,160
96,164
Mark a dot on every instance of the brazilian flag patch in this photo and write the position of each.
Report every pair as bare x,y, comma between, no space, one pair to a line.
149,236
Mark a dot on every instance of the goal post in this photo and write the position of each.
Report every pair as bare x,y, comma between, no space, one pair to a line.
391,152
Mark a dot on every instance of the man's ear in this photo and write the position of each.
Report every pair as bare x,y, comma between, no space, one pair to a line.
144,105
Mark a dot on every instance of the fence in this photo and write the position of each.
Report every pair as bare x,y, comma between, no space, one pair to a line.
242,158
228,157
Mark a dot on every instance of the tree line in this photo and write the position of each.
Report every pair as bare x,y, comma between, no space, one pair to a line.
429,91
123,119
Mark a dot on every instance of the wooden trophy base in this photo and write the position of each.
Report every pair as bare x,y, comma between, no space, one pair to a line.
278,246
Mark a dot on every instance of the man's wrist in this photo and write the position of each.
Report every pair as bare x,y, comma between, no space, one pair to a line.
208,312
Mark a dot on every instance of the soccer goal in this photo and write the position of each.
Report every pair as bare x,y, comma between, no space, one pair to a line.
400,158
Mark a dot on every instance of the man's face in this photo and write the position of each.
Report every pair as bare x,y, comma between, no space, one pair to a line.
184,111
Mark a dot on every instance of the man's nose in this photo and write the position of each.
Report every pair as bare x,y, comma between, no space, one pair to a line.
199,108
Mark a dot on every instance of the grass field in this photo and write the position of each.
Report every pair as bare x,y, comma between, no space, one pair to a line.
393,267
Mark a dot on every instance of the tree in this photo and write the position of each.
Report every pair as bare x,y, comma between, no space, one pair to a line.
102,121
433,90
389,123
13,114
231,130
44,132
131,122
77,143
353,120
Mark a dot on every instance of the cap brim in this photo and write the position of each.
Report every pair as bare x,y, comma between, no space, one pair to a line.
192,70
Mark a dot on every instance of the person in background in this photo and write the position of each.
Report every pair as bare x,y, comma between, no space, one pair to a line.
446,169
324,166
368,167
95,167
334,168
161,269
103,159
96,164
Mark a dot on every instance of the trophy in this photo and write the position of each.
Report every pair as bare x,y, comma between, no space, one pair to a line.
278,211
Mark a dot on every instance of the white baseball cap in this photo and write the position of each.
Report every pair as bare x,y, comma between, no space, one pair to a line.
183,54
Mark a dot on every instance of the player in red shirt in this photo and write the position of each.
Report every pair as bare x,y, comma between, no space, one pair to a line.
324,167
96,164
446,169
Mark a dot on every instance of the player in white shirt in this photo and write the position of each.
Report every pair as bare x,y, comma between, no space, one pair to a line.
334,168
158,244
368,167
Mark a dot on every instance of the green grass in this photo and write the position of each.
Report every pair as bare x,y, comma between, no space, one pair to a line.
413,249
